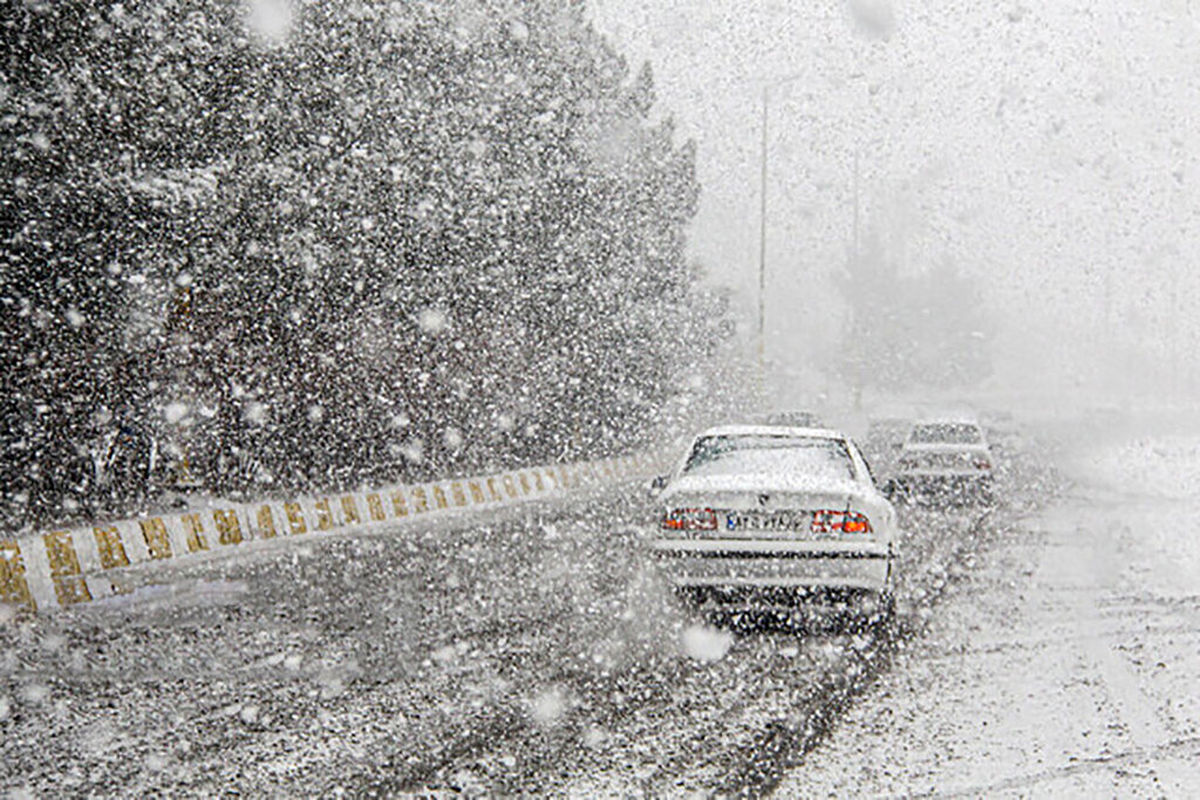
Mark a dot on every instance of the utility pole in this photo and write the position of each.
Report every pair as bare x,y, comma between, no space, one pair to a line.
855,239
762,243
859,368
762,223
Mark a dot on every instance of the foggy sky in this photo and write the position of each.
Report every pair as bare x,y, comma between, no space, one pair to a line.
1049,147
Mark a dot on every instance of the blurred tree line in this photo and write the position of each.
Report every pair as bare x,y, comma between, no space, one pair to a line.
924,330
347,242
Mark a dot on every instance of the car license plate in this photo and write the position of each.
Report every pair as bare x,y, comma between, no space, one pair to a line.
768,521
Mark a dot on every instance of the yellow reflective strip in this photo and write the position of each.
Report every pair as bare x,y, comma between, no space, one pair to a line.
375,508
439,497
158,543
71,590
295,516
229,531
266,523
324,514
60,552
110,547
398,504
13,586
350,510
194,528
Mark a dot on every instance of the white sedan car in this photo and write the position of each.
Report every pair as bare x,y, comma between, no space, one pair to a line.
768,517
945,459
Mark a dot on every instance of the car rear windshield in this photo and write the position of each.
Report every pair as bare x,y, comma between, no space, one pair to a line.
952,460
946,433
763,454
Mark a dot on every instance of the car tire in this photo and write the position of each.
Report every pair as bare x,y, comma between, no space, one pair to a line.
690,598
887,607
876,618
869,612
887,598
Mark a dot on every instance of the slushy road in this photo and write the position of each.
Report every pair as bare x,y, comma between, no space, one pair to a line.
1068,665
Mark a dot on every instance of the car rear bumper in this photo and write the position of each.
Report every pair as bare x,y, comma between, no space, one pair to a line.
953,482
786,599
796,568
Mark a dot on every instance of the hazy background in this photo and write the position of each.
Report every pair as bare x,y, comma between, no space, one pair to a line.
1046,148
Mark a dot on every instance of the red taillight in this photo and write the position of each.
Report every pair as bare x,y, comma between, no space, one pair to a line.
856,523
840,522
826,521
690,519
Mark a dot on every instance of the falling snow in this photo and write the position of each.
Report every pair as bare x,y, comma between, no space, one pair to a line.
273,255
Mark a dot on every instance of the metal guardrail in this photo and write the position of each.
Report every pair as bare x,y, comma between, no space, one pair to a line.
61,568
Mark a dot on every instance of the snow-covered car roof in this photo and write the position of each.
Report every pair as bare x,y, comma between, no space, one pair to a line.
770,430
980,446
949,418
793,417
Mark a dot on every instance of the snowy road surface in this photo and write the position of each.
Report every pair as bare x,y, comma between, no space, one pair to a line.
1068,666
526,653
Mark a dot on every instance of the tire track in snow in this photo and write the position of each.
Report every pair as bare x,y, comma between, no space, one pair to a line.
732,726
685,743
786,741
1180,748
222,718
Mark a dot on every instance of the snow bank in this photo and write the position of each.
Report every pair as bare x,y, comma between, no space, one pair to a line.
1166,467
1158,478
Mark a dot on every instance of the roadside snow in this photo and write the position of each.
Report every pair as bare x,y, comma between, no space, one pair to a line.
1161,475
1163,466
1068,663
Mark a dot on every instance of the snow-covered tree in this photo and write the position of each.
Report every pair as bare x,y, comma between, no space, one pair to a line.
928,329
372,240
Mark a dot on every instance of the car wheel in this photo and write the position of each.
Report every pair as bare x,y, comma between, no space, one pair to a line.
886,612
692,598
874,614
887,607
865,613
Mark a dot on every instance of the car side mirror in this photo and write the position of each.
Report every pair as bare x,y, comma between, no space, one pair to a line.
657,484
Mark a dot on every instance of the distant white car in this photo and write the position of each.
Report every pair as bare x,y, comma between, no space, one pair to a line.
760,517
794,419
945,458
